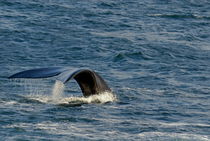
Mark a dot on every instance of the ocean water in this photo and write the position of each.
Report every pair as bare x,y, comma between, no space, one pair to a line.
154,55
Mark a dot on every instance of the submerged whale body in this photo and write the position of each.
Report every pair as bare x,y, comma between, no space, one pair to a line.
89,81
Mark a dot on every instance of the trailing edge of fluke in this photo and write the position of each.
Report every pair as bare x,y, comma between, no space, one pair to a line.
89,81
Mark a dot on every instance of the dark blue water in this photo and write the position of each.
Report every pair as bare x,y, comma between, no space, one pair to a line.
154,54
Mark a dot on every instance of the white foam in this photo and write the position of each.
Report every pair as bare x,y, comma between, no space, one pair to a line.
100,98
165,135
7,103
176,124
41,98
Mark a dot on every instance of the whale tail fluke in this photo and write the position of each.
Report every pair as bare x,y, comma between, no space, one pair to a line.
89,81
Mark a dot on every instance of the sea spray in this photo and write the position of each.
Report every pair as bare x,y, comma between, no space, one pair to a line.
57,91
35,86
27,86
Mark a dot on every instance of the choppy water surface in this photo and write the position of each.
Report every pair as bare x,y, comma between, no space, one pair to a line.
154,54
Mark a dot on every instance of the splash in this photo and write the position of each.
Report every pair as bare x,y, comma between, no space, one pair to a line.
57,91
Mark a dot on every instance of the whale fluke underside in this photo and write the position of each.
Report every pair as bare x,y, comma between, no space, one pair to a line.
89,81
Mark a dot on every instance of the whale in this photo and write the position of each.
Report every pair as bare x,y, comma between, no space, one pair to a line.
89,81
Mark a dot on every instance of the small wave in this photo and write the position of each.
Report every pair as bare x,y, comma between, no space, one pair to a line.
133,55
177,16
176,124
181,136
40,98
7,103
